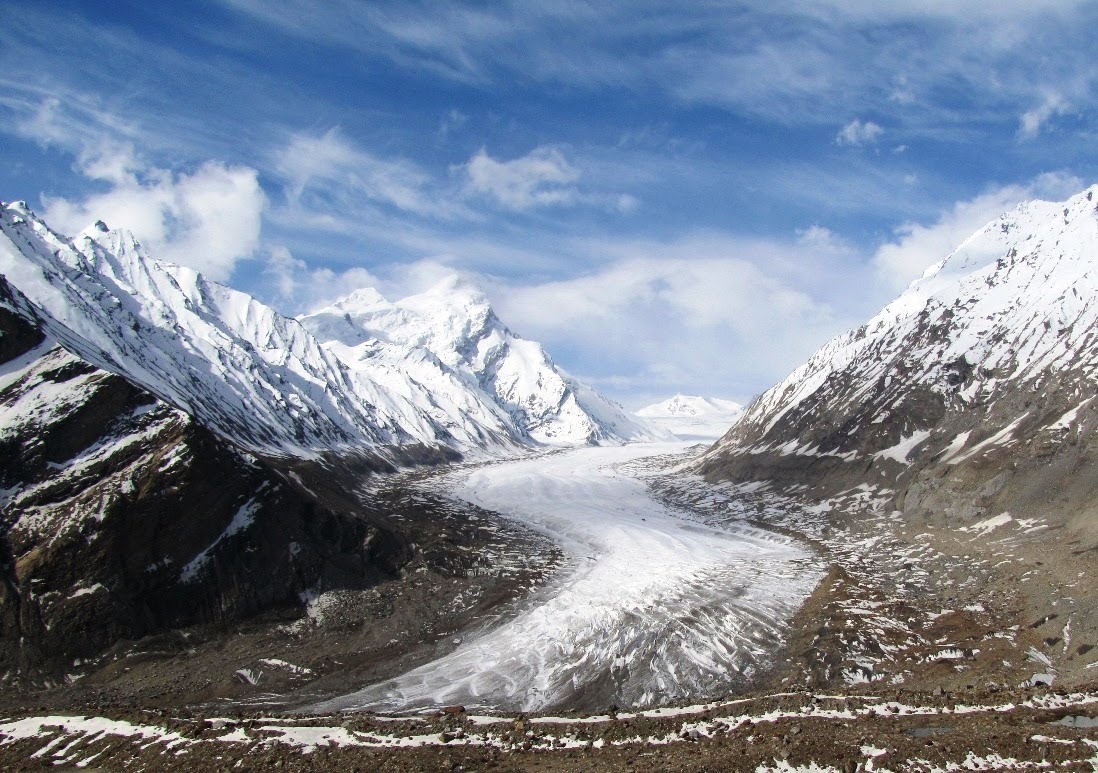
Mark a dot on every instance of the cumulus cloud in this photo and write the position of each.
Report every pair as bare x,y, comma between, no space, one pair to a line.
322,286
917,246
858,133
712,313
301,288
543,177
208,219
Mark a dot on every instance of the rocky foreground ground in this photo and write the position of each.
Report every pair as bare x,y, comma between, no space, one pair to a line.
926,647
878,730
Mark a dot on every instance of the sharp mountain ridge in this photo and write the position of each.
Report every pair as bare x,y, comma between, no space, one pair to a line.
265,382
971,394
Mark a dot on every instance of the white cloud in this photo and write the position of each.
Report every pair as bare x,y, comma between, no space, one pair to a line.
858,133
452,122
207,220
284,270
901,92
320,287
918,246
1033,121
300,288
822,239
75,123
706,313
627,204
542,177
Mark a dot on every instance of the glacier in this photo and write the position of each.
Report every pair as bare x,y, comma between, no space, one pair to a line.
653,606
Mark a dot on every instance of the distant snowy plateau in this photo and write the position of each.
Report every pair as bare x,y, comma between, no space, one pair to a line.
692,417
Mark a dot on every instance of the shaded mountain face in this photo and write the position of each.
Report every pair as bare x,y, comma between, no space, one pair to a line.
971,394
123,517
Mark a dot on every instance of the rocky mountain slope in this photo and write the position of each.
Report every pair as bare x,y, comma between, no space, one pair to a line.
122,517
455,323
975,387
177,454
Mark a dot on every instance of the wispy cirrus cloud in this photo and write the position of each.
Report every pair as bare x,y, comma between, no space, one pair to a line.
786,61
330,166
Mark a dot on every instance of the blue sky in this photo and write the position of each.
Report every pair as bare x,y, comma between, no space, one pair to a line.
673,197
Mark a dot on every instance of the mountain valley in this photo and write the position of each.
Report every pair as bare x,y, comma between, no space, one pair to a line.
399,525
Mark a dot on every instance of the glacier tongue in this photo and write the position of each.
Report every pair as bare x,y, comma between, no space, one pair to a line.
654,607
455,322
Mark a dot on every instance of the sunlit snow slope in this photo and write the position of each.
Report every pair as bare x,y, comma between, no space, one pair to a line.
442,378
653,607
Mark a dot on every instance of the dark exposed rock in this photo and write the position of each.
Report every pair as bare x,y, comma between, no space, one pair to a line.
124,518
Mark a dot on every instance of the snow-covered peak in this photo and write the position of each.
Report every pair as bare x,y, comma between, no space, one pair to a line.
1015,302
252,375
690,405
455,322
360,300
445,319
364,376
982,251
